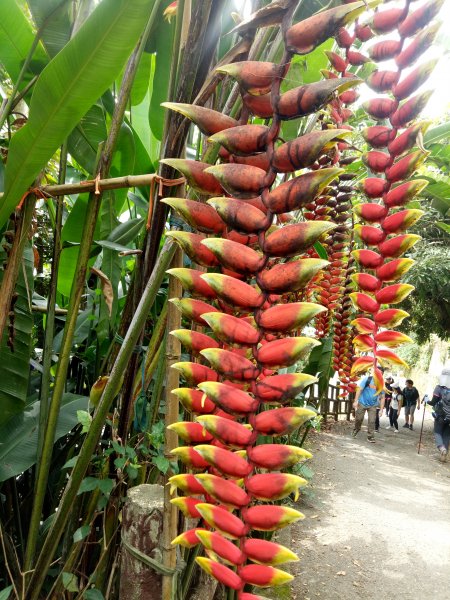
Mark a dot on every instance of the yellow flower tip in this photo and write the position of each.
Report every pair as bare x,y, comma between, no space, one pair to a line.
170,11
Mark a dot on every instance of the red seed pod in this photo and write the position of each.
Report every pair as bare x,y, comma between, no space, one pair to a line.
410,110
188,506
196,214
363,325
281,421
260,106
255,77
363,32
311,97
285,317
382,81
294,239
273,486
407,139
243,139
264,576
188,539
228,432
188,484
267,553
414,80
398,245
393,294
419,18
391,317
242,181
194,401
306,35
191,244
194,340
270,517
235,256
215,542
295,193
401,220
368,258
230,364
230,329
285,352
189,457
356,58
192,282
191,433
195,373
374,187
261,161
363,342
276,456
196,175
229,399
305,150
378,136
224,460
280,388
380,108
364,302
418,46
395,269
366,282
370,235
385,50
387,20
349,97
207,120
220,572
222,520
233,291
240,215
192,309
290,276
225,491
406,166
404,193
344,39
376,161
337,62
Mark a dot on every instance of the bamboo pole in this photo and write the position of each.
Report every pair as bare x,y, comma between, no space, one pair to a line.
93,207
173,349
98,421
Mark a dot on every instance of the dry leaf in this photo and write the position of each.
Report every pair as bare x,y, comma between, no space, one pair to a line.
107,288
341,573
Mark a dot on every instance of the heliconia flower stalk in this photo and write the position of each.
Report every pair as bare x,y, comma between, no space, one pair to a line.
250,327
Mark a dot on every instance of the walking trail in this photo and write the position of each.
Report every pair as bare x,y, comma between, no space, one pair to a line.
377,521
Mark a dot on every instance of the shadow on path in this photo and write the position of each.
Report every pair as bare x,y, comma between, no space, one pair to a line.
377,518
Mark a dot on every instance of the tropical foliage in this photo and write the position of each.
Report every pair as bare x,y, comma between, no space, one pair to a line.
112,121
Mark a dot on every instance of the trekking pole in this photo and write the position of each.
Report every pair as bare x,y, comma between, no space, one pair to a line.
421,429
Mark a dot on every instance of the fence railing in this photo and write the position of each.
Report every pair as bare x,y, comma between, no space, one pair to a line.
330,404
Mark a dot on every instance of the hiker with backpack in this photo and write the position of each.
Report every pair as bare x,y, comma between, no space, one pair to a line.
441,404
366,399
395,407
411,401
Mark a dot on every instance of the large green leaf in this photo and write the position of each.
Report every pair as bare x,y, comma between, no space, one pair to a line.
16,39
15,366
320,364
55,15
19,434
84,140
439,191
435,134
69,85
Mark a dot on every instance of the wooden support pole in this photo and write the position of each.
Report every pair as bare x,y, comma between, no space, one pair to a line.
142,523
171,439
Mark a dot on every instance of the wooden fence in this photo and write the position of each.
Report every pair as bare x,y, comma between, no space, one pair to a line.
330,405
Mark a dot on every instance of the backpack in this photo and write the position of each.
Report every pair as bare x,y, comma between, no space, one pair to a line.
443,406
410,395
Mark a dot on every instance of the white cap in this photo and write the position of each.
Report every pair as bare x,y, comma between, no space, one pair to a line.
444,378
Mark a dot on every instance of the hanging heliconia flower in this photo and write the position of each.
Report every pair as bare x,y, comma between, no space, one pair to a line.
391,161
250,329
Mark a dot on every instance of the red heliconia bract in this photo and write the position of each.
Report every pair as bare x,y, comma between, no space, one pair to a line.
247,316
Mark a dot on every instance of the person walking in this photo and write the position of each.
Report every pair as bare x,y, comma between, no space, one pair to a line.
366,399
441,404
394,408
411,401
388,391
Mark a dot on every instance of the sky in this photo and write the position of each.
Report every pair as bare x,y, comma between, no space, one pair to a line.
439,80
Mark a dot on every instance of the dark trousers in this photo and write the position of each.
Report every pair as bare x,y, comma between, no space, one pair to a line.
387,402
441,432
377,420
393,416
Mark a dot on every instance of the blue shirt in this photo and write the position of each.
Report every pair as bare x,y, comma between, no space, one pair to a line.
368,396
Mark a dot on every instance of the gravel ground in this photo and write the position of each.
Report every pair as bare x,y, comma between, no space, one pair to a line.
378,518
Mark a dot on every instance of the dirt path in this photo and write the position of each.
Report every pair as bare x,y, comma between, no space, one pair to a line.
378,518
